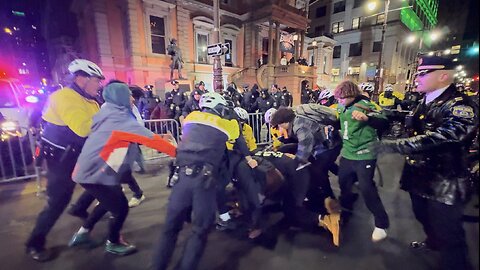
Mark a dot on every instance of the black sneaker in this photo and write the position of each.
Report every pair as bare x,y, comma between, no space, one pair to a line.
39,254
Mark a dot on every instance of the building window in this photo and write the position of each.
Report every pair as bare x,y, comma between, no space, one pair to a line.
337,51
228,56
319,30
202,43
356,23
337,27
339,7
157,31
358,3
321,11
380,18
377,46
355,49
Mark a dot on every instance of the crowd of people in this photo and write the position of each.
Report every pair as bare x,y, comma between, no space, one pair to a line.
96,147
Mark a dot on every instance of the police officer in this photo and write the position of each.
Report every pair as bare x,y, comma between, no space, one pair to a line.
265,101
175,100
148,103
388,99
201,87
287,97
277,97
250,98
411,100
306,95
435,174
199,156
192,104
234,95
68,118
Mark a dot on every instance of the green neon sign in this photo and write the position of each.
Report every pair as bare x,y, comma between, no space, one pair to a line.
18,13
411,20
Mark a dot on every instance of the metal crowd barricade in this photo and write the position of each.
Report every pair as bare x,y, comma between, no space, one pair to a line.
261,130
16,158
160,126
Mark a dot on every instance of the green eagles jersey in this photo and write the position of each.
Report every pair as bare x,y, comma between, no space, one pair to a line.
357,135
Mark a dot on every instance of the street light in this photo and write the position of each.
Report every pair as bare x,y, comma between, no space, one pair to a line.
7,30
434,35
411,38
372,5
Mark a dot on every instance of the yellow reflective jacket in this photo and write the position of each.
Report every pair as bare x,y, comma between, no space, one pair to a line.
247,133
68,114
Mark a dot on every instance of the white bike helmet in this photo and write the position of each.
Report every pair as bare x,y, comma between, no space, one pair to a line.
86,66
326,94
268,115
242,113
366,87
388,88
211,100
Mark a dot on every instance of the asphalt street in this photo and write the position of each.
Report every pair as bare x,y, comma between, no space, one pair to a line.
280,248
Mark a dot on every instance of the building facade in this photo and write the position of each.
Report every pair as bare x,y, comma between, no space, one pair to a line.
358,30
128,38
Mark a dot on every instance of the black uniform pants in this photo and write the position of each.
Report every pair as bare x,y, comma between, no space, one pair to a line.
111,199
320,187
85,200
249,189
444,229
190,193
363,170
59,191
294,191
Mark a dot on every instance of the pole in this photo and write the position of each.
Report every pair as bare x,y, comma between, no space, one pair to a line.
379,80
217,62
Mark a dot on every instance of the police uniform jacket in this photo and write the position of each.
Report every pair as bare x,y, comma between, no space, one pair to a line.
287,98
306,94
277,97
204,139
441,133
263,104
190,106
68,116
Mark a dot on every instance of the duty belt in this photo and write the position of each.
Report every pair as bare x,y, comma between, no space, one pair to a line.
204,170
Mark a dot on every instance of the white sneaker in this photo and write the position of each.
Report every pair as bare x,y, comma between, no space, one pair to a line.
379,234
136,202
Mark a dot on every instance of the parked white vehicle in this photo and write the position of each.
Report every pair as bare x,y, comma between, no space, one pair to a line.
12,103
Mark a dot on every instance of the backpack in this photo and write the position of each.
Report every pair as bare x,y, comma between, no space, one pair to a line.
318,113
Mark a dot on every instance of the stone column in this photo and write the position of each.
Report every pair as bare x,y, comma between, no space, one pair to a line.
277,44
302,42
270,43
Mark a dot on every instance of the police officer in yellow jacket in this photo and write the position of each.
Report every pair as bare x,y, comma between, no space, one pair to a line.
390,98
199,156
68,117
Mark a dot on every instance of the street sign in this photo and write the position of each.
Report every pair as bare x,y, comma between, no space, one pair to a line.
218,49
